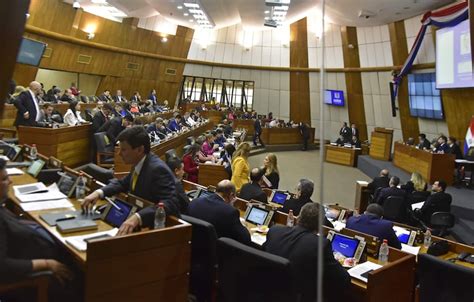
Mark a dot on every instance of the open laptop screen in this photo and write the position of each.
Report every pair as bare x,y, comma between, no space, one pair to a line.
344,245
279,197
257,216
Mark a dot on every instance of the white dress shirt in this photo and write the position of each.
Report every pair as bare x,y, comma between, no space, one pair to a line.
71,119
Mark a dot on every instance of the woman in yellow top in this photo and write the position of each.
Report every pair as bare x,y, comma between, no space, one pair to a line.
240,166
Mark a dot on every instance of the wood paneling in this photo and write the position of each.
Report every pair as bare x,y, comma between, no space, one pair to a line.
12,24
300,110
355,94
24,74
458,105
398,42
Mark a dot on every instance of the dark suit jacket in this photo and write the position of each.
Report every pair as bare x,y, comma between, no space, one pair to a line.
456,150
19,244
116,99
113,128
378,182
295,205
65,98
444,147
437,202
25,103
346,133
390,191
424,145
98,121
104,98
300,246
274,178
372,225
252,191
174,126
153,99
182,198
223,216
257,127
155,183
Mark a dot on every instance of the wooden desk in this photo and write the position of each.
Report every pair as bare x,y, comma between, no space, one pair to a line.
431,166
150,118
245,124
284,136
176,142
342,156
211,174
381,143
150,265
71,145
214,116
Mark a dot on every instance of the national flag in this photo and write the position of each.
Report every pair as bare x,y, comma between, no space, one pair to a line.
469,141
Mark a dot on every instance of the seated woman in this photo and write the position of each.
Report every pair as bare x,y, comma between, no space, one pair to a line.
73,115
270,167
416,188
207,147
190,161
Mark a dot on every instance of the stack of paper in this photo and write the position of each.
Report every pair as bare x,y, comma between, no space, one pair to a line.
258,238
417,205
80,242
14,171
37,192
46,205
414,250
360,271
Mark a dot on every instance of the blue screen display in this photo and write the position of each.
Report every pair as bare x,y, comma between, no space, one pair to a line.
279,198
403,238
425,99
334,97
116,217
30,52
344,245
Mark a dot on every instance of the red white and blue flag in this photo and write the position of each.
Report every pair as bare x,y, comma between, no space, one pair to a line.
469,141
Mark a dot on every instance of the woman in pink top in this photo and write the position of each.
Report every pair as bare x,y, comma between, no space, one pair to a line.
208,146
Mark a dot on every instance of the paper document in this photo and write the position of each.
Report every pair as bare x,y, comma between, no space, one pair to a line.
417,205
5,158
362,182
360,270
46,205
414,250
52,193
29,188
80,243
338,225
14,171
258,238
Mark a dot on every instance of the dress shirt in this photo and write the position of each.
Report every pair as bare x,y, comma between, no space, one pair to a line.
35,100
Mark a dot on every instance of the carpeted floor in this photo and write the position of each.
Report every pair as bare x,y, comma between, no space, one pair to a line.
339,181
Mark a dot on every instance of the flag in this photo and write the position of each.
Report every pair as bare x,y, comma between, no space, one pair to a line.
469,141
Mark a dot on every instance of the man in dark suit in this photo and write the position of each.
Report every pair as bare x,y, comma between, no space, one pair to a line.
150,179
346,133
115,126
27,104
380,181
217,209
152,98
27,248
454,148
423,144
252,190
158,128
101,117
299,244
442,145
354,131
55,96
105,96
355,142
304,190
392,190
371,222
119,98
175,124
304,131
439,201
257,126
177,167
67,97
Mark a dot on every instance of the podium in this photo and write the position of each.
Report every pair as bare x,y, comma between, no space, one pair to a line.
381,143
71,145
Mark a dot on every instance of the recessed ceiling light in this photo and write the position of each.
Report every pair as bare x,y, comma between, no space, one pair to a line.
191,20
180,7
267,12
185,14
191,5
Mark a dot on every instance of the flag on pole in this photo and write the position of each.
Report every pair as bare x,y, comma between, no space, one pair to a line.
469,141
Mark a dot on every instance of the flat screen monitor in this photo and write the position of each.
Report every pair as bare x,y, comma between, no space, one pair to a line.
30,52
344,245
257,215
279,197
334,97
35,167
116,216
425,99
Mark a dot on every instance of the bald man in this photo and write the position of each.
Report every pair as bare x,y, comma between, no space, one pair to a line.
27,105
217,209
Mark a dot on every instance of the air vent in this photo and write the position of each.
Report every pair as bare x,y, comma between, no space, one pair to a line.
170,71
84,59
47,52
133,66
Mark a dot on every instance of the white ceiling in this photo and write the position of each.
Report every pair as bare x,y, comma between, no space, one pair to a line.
251,12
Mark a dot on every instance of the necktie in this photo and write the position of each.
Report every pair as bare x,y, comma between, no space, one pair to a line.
134,179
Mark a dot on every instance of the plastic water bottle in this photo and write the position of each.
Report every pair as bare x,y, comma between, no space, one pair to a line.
427,238
160,216
383,252
290,221
81,187
33,152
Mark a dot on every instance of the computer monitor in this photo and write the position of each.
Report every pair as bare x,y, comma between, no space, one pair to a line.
258,215
115,214
404,235
279,197
35,167
344,245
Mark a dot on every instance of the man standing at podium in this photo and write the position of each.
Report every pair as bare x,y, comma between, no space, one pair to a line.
28,106
346,133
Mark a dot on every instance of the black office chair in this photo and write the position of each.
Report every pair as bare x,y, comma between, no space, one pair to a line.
105,150
443,281
190,140
203,277
101,174
248,274
373,197
186,149
441,222
419,196
170,154
395,209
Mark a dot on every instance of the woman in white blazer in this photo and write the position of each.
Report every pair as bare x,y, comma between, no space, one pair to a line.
73,115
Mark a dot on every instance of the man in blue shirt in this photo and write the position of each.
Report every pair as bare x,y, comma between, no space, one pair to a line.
175,124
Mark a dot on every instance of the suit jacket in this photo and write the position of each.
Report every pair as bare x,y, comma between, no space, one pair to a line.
253,191
274,178
191,168
98,121
425,144
346,133
135,98
300,246
258,127
454,149
25,103
378,182
116,99
390,191
174,126
153,99
66,99
19,244
372,225
113,128
223,216
295,205
437,202
444,148
155,183
355,132
104,98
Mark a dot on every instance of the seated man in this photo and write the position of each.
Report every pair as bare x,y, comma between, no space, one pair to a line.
175,124
371,222
380,181
299,244
177,167
253,190
217,209
26,248
439,201
356,142
304,190
442,145
158,128
219,137
115,126
392,190
423,144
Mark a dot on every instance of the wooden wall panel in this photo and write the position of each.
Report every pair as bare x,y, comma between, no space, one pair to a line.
398,41
24,74
300,110
458,105
355,95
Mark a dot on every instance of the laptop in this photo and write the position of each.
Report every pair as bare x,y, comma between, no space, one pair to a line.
404,235
258,215
117,212
10,151
35,167
279,197
348,247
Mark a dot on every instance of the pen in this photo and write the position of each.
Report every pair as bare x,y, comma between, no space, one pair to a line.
66,217
109,200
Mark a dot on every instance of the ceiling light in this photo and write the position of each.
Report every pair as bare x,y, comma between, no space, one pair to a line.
76,5
191,5
164,39
283,7
99,1
179,7
267,12
185,14
191,20
196,11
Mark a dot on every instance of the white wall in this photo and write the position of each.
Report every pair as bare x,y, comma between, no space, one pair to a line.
333,46
374,46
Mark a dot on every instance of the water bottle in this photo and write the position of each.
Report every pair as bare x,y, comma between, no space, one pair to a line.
33,152
290,221
160,216
383,253
427,238
81,187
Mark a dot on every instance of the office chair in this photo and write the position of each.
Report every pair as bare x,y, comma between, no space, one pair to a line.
394,209
238,262
101,174
105,150
441,222
203,278
186,149
419,196
38,281
170,154
442,281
